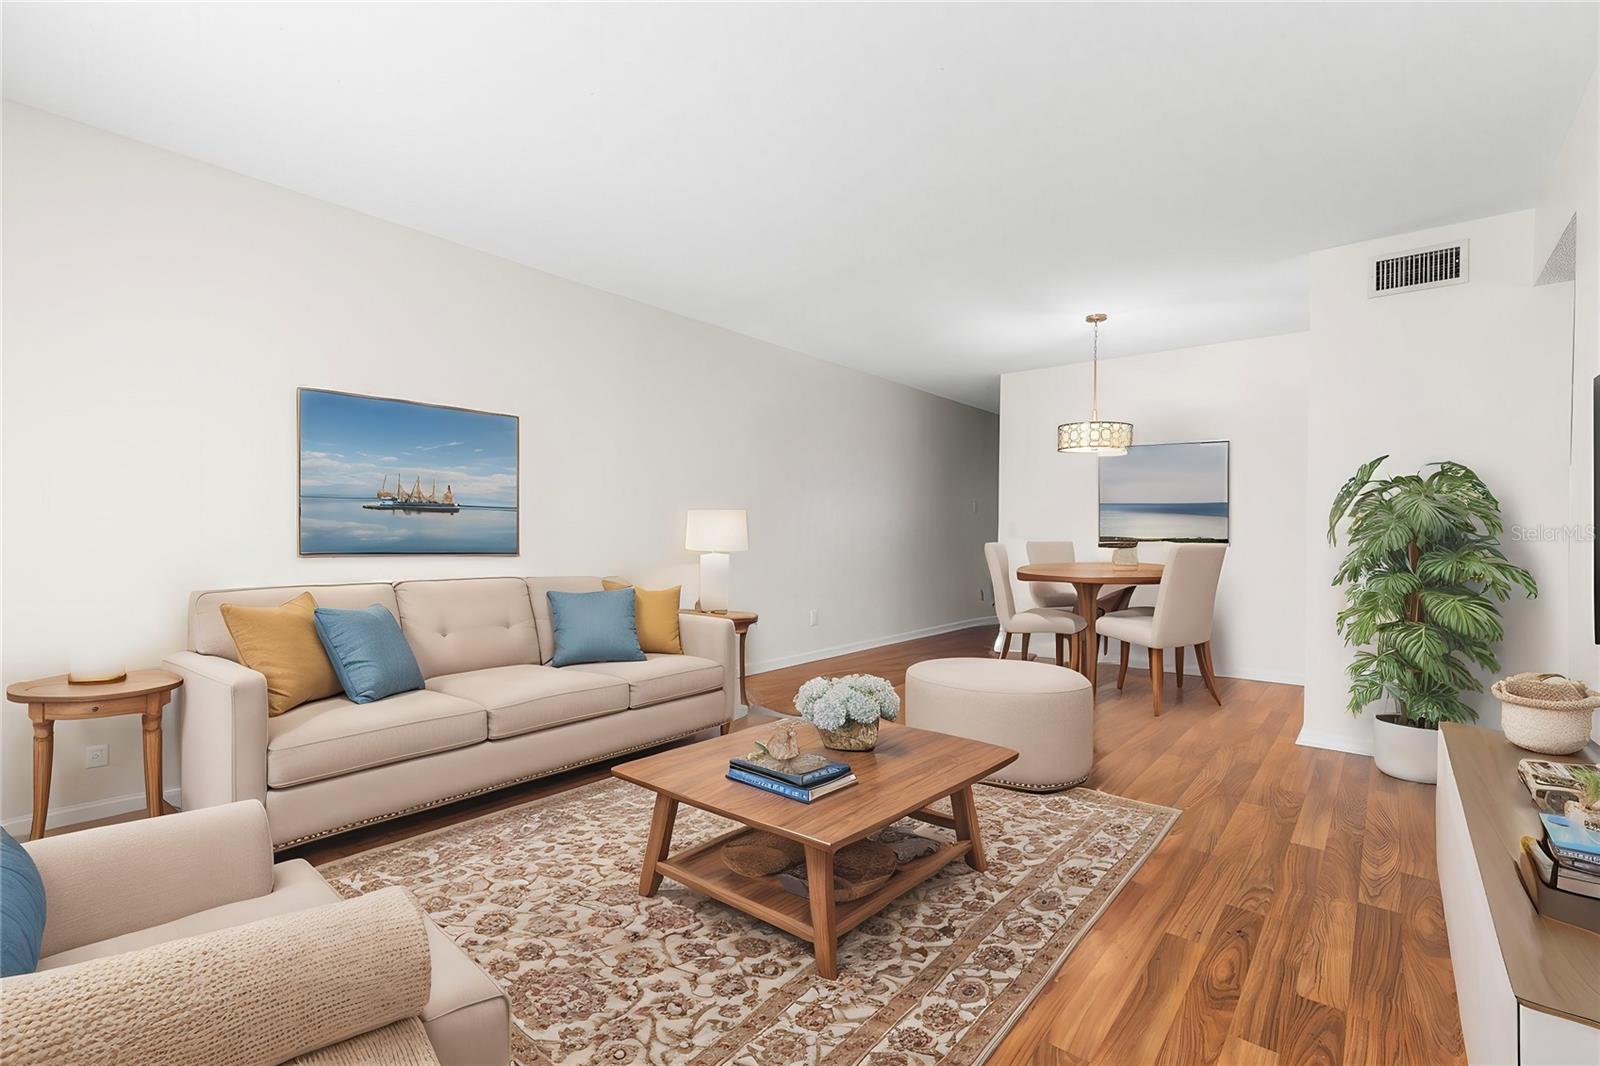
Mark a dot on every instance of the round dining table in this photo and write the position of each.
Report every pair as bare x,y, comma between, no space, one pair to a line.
1088,579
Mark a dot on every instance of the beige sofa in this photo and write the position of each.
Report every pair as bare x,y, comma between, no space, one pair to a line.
494,712
146,887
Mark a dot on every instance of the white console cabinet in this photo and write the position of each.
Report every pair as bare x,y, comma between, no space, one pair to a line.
1528,986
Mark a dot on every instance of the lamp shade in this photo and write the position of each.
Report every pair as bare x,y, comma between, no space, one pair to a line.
717,531
1097,437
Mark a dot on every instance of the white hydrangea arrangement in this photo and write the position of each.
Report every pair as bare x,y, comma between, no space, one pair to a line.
830,703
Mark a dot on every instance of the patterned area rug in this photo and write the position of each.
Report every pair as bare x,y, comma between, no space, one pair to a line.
546,898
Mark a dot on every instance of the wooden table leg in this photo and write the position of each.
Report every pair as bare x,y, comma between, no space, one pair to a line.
660,843
1155,677
743,698
824,929
152,755
741,695
966,810
1208,670
44,749
1087,603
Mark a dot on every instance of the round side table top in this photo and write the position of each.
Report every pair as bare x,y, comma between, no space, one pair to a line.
59,690
738,618
1100,573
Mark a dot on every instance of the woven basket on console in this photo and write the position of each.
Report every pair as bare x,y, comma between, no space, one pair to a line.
1547,713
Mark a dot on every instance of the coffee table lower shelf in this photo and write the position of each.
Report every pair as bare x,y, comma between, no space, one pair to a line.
702,869
820,920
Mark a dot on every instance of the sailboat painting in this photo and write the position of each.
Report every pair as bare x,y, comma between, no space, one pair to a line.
397,477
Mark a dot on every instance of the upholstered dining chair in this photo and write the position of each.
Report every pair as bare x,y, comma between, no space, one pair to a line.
1186,598
1052,594
1062,622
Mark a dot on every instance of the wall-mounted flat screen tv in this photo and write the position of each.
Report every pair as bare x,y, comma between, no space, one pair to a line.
1165,492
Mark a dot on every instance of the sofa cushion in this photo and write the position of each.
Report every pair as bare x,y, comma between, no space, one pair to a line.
594,627
21,909
468,624
466,1015
655,616
296,885
521,699
369,653
281,644
537,587
335,736
660,677
208,633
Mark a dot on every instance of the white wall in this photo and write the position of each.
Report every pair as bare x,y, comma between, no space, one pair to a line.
160,313
1251,393
1574,193
1448,373
1477,373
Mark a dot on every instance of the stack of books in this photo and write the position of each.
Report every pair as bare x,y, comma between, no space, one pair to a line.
1573,851
806,778
1561,868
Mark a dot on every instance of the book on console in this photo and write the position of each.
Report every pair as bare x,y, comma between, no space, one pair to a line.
783,788
1570,840
1568,877
805,771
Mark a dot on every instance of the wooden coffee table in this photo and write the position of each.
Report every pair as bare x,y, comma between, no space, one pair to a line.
910,769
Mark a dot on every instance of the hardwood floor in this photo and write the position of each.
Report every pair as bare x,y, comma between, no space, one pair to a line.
1291,916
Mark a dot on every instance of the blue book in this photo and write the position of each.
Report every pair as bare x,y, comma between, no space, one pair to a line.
1569,839
783,788
816,775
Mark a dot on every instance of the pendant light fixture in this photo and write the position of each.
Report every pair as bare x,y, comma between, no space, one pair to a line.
1095,437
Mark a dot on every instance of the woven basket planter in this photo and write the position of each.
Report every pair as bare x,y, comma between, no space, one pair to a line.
1547,713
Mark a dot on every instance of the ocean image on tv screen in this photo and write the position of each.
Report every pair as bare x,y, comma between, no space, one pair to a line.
382,477
1166,492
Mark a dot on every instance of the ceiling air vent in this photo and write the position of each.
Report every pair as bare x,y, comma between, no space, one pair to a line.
1424,268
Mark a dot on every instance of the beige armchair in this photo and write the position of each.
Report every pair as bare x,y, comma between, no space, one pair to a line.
1185,602
140,913
1063,624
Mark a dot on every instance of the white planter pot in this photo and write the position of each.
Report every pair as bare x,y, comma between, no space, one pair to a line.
1546,731
1406,752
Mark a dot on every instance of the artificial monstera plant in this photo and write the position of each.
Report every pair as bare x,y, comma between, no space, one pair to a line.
1422,579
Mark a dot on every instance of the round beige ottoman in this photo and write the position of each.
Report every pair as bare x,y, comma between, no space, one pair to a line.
1045,712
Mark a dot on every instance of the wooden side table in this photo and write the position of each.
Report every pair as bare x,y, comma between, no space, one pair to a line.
51,699
742,621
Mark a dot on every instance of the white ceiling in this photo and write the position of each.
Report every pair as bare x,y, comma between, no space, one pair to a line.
932,193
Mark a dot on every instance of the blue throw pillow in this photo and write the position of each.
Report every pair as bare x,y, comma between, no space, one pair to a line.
594,627
21,909
369,653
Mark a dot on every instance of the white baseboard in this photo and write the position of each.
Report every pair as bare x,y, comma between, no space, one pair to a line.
1271,677
863,645
73,813
1322,738
1138,661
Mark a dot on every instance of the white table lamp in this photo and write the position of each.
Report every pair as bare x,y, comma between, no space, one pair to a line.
714,534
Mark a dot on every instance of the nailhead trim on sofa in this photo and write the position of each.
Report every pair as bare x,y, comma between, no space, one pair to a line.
297,841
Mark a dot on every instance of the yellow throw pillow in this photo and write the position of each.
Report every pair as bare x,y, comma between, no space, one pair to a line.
655,616
281,644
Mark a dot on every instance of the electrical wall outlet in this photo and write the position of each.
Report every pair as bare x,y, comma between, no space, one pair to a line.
96,755
813,617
